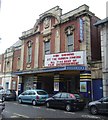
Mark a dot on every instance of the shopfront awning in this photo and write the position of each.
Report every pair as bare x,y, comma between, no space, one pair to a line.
55,69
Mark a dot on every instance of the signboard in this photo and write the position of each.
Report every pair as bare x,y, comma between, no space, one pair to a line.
65,59
56,86
83,86
81,29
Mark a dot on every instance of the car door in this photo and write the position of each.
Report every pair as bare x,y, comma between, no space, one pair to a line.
104,106
63,100
55,100
29,96
24,96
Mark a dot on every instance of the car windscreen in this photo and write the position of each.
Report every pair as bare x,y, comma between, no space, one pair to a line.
41,93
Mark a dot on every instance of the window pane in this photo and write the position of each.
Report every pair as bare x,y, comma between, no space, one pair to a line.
57,95
64,95
70,43
47,47
29,53
41,93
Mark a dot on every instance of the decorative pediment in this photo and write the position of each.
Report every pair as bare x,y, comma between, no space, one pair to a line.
46,22
69,30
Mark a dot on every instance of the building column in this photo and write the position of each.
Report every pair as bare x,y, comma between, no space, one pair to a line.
86,88
20,85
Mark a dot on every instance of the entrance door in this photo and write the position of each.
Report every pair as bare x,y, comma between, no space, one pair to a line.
97,89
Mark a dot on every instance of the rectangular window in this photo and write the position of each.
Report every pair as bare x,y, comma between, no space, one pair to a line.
7,85
47,47
29,54
70,42
18,63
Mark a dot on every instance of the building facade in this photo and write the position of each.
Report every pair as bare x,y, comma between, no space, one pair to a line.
62,53
103,25
1,69
10,62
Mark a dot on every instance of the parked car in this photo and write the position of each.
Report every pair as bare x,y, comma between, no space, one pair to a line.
98,106
2,106
68,101
8,94
36,96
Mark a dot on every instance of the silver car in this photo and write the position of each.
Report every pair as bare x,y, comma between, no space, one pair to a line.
34,96
98,106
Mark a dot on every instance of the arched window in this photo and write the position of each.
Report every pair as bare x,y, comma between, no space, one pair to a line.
18,63
29,52
69,38
47,46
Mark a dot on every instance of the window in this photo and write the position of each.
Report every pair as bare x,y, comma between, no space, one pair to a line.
29,57
47,47
7,85
70,43
64,95
29,54
105,99
8,64
57,95
18,63
41,93
31,92
25,93
70,38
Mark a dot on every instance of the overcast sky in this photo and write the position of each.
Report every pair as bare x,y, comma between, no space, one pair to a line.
17,16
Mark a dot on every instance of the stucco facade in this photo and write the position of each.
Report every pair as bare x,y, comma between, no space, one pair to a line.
9,64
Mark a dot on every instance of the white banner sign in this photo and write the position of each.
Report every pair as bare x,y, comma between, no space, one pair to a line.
65,59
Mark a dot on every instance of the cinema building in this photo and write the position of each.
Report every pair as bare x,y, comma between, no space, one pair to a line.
62,53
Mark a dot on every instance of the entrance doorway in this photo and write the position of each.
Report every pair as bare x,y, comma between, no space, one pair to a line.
71,84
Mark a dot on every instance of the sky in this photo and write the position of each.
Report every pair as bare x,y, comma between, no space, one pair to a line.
17,16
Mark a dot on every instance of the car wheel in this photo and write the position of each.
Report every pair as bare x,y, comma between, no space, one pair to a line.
47,105
34,102
19,100
93,110
68,107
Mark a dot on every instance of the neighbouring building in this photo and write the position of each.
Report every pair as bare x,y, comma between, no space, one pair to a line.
1,69
10,62
103,25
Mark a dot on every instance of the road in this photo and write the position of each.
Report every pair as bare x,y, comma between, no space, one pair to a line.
16,110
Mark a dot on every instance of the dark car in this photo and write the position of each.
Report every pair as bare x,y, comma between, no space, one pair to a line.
8,94
98,106
68,101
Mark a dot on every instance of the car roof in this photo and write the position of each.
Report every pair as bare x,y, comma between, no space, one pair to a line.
69,93
35,90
